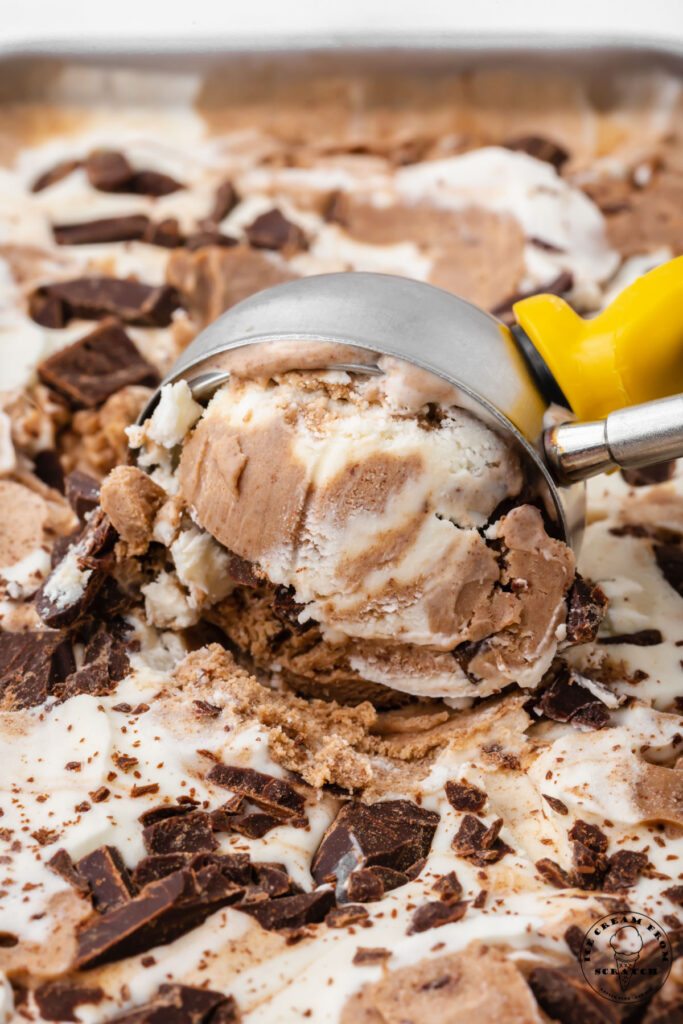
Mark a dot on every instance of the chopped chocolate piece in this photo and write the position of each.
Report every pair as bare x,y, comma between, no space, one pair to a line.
559,285
276,796
59,605
93,368
45,836
553,873
100,794
343,917
574,939
162,912
57,1000
291,911
273,879
464,796
151,869
590,835
188,833
29,665
435,914
48,468
236,867
475,841
675,894
586,603
392,833
362,886
200,239
588,850
203,708
669,560
151,183
108,229
657,473
642,638
124,761
54,174
623,868
107,876
147,790
289,610
105,663
366,956
225,200
416,869
272,230
567,998
541,149
480,899
183,1004
82,493
96,297
62,864
448,887
241,571
557,805
389,878
165,233
566,700
255,824
108,170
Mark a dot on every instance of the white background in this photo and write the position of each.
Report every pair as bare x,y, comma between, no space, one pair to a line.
140,22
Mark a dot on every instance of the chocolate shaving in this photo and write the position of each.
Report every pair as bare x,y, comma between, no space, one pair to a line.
541,149
130,228
476,842
291,911
57,1000
464,796
276,796
189,833
29,667
669,560
54,174
642,638
272,230
105,663
108,878
96,297
586,607
436,914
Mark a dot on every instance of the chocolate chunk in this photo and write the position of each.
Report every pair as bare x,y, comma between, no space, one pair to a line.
164,811
289,610
201,239
291,911
62,865
108,229
657,473
276,796
586,604
541,149
8,940
567,998
393,834
272,230
105,663
464,796
95,367
253,825
435,914
389,878
82,493
336,209
480,899
343,917
57,1000
366,956
189,833
225,200
54,174
29,667
151,183
241,571
183,1004
362,886
162,912
566,700
448,887
165,233
235,867
151,869
475,841
669,560
675,894
108,170
574,939
589,846
48,468
557,805
590,835
553,873
623,869
642,638
273,879
107,876
59,601
560,285
95,297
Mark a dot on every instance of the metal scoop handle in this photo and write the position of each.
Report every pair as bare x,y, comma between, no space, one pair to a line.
636,436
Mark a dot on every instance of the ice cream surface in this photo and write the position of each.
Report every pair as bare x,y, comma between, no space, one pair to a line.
231,788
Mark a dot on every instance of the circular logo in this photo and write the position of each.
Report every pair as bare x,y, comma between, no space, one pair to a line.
626,957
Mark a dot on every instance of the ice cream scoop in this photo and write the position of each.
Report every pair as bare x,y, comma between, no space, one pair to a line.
550,362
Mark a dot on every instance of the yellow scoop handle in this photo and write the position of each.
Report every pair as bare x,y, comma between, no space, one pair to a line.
632,352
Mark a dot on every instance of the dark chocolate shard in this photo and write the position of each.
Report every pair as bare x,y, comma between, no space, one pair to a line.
187,833
669,558
54,174
165,233
57,1000
108,170
641,638
464,796
48,467
95,367
62,865
567,700
29,667
589,846
363,886
82,492
151,869
541,149
164,811
557,805
108,877
393,833
675,894
235,867
242,571
183,1004
586,607
567,998
291,911
476,842
272,230
344,917
274,880
623,869
162,912
130,228
553,873
60,601
225,200
436,914
152,183
276,796
105,663
574,939
448,888
96,297
202,239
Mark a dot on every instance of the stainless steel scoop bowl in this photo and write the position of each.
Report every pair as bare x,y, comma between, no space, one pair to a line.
495,371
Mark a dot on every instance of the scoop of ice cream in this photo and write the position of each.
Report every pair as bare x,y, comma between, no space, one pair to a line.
373,527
